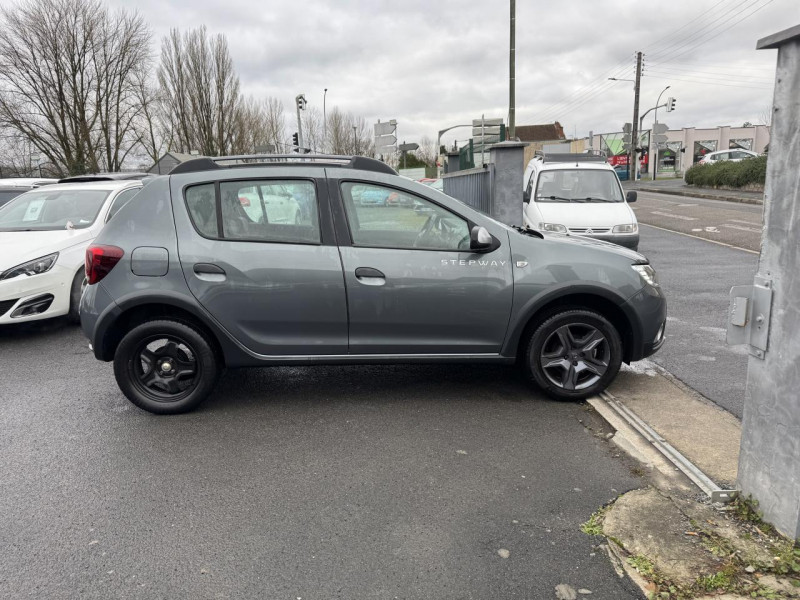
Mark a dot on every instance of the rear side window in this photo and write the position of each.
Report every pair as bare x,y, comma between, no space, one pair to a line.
121,200
257,210
202,205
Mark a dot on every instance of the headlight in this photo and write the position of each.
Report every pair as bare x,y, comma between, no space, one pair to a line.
33,267
554,227
628,228
647,273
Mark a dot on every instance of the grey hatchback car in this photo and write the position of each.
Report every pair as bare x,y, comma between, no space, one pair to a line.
260,261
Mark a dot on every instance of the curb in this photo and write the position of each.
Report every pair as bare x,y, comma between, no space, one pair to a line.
699,194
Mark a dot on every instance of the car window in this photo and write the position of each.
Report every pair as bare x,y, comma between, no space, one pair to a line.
257,210
121,200
50,210
202,204
578,185
383,217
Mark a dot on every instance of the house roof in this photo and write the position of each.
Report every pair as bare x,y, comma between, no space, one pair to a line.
540,133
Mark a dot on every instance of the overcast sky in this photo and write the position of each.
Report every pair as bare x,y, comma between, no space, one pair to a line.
435,63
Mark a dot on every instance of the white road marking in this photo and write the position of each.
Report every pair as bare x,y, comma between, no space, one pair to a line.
697,237
744,222
687,204
712,229
741,228
664,214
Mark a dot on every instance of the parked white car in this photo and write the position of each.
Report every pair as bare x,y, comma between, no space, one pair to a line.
732,155
44,234
578,194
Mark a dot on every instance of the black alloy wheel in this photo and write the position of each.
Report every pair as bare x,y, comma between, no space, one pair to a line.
166,367
574,354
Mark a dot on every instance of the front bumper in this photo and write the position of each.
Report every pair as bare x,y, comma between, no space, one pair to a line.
16,292
628,240
650,309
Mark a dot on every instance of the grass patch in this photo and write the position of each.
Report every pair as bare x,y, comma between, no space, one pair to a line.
594,526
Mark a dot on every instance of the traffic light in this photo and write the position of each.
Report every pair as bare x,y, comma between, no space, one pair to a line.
670,104
295,142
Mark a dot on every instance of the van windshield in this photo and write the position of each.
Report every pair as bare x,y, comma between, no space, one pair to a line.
578,185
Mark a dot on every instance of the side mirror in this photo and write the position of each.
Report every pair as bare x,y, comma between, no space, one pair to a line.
631,196
479,239
526,197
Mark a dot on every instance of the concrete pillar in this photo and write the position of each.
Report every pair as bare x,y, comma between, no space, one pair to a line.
452,165
506,186
769,461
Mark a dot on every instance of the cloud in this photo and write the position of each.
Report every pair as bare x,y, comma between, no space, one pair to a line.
431,65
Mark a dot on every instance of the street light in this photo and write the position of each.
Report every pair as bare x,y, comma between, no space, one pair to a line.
633,81
325,119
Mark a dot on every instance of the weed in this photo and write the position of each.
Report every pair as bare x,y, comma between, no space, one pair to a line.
643,565
594,526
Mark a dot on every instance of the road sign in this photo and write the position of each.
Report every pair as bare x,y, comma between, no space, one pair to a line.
407,147
626,128
385,138
265,149
659,129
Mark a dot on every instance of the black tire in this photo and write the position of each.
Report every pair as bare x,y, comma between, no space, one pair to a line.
74,314
573,354
166,367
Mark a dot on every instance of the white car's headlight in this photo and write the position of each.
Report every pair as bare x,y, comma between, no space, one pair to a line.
554,227
647,273
627,228
32,267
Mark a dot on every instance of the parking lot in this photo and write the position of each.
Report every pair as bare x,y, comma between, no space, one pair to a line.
328,482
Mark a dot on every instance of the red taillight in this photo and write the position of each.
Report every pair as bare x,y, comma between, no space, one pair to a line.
100,260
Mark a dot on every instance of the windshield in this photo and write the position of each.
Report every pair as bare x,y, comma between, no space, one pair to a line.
578,185
52,210
5,195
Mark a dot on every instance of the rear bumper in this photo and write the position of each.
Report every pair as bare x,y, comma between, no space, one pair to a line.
650,307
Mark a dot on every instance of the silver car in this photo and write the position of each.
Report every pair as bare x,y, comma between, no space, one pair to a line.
186,281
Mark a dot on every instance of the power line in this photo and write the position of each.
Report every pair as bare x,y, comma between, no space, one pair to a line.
668,77
713,76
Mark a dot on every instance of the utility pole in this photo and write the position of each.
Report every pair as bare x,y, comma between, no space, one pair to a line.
324,121
511,72
769,323
633,160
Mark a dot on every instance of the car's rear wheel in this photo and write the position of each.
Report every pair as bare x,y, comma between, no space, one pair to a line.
75,292
166,367
573,354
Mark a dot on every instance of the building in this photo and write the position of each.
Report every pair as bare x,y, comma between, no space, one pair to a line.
684,147
539,135
169,161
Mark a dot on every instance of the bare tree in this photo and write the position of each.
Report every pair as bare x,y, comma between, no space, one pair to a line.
349,134
765,116
313,130
200,90
275,123
67,81
427,151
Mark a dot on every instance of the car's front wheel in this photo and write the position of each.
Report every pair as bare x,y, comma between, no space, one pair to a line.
573,354
166,367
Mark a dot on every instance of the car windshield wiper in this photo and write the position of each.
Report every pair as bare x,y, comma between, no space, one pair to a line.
591,199
528,231
562,198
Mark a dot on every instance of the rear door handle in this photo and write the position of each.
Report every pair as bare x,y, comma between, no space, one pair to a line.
208,269
370,276
209,272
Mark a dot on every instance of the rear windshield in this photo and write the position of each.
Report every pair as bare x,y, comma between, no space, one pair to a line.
5,196
578,185
52,210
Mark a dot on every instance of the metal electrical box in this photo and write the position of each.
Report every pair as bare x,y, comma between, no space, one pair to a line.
748,316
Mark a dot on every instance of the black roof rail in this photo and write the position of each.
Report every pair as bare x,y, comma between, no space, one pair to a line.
209,163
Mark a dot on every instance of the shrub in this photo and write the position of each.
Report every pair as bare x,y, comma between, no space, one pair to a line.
728,173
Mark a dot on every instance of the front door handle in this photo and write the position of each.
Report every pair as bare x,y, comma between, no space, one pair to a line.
370,276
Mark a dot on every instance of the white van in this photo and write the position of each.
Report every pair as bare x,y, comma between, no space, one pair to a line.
578,194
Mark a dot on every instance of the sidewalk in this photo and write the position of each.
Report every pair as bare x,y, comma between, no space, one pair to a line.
670,538
678,187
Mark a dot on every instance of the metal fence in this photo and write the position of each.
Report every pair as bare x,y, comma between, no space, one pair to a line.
473,187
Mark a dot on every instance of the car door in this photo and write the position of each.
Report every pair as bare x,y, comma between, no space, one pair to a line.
276,287
413,284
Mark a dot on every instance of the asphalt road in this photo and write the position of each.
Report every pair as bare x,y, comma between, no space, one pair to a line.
296,483
696,276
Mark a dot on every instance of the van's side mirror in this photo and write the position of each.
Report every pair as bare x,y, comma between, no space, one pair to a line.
526,196
631,196
480,240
